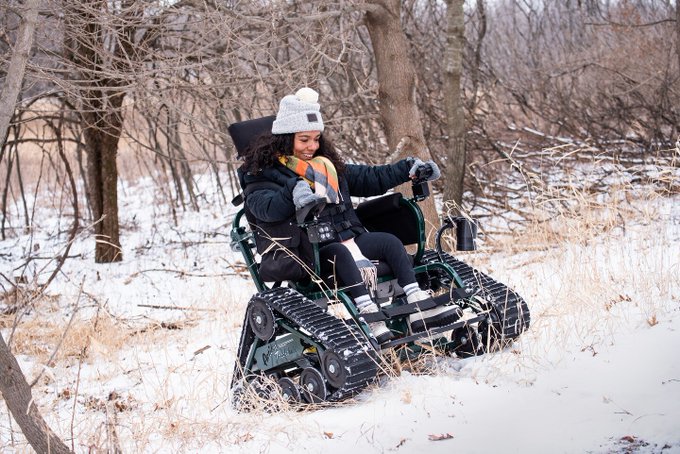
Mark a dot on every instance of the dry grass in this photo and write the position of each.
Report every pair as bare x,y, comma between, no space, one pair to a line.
87,337
590,263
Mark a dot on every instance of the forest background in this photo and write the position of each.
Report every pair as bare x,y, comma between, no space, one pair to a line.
509,97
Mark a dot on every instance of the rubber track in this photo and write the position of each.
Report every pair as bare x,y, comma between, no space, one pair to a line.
329,331
246,340
508,307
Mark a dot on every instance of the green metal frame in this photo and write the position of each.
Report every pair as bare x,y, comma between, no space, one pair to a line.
243,240
283,350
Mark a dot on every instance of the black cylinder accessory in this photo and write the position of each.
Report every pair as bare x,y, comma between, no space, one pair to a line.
466,232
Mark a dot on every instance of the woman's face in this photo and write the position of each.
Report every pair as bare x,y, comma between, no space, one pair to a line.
305,144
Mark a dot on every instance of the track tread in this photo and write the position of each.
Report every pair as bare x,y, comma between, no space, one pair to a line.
508,307
329,331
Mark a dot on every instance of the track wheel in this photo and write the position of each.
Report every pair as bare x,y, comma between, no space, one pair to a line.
492,338
263,387
313,385
261,319
238,400
289,390
333,368
249,392
468,342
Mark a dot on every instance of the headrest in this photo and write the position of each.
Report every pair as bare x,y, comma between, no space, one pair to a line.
244,132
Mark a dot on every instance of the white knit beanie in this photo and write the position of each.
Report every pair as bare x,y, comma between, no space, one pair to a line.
298,112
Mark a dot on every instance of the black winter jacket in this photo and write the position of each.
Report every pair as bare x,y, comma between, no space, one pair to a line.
275,205
271,212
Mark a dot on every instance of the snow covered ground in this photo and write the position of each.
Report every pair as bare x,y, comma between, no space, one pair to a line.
148,346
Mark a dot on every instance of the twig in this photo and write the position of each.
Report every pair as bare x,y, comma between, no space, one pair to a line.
180,272
111,432
621,24
219,404
607,400
177,308
74,202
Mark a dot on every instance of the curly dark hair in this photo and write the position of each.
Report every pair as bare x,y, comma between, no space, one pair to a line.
264,151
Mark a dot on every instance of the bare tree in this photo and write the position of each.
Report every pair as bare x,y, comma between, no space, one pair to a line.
17,65
598,72
397,87
13,385
445,97
99,48
17,394
396,77
453,100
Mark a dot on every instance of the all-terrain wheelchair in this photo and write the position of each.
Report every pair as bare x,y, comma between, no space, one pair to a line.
306,341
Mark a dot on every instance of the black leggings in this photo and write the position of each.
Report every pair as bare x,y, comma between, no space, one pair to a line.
337,261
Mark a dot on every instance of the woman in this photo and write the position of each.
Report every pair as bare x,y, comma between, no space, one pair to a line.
305,168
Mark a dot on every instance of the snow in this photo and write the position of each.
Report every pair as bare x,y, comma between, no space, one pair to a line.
598,371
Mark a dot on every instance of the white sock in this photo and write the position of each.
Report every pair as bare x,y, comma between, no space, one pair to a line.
410,288
363,302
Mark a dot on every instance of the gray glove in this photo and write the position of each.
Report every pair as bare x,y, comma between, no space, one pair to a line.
303,195
424,171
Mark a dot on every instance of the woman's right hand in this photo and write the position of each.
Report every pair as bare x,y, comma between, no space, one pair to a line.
303,195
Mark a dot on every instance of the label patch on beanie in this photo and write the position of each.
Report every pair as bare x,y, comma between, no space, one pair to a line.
312,118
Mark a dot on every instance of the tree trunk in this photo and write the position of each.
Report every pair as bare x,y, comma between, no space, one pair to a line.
17,395
102,132
17,65
453,100
677,47
95,48
397,91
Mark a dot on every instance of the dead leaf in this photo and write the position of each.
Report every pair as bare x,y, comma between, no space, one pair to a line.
439,437
201,350
65,394
328,434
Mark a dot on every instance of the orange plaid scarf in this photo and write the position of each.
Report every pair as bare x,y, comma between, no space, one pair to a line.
319,172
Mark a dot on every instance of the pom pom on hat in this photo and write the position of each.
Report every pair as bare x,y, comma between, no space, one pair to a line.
306,94
298,112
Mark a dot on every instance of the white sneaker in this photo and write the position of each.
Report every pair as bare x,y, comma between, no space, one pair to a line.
379,329
381,332
418,295
431,318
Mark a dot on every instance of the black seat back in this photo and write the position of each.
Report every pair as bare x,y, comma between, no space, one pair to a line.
389,214
244,132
